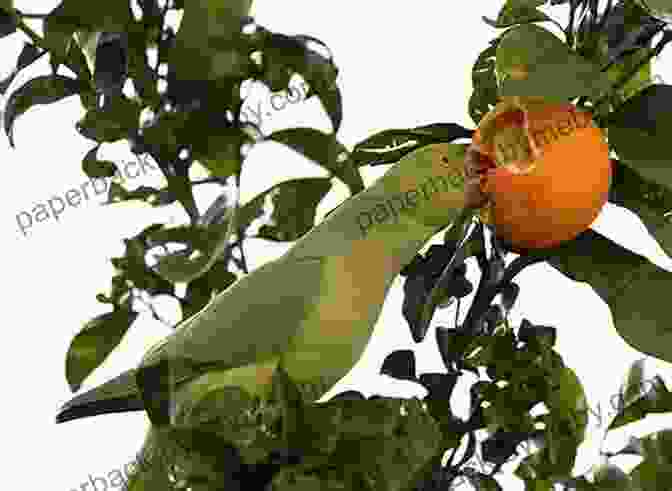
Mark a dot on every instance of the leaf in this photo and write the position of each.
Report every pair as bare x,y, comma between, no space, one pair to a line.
325,150
634,288
484,82
649,200
59,25
117,120
657,399
7,23
517,12
97,169
28,55
111,62
399,364
297,54
187,266
201,290
94,343
655,471
638,132
611,477
533,61
75,15
483,482
391,447
205,43
294,206
391,145
45,89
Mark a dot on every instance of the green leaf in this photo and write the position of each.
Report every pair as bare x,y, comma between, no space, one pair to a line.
45,89
201,290
394,455
649,200
81,15
7,23
389,146
638,132
652,397
186,266
212,138
117,120
294,54
294,207
203,44
610,477
28,55
325,150
483,482
484,82
148,194
94,343
96,169
289,479
634,288
655,471
59,25
631,389
518,12
533,61
660,9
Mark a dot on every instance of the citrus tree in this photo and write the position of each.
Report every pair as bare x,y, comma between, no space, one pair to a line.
232,398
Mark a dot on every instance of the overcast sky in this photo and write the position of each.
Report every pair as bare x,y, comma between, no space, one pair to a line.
400,66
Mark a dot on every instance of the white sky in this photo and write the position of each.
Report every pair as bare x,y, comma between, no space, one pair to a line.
399,67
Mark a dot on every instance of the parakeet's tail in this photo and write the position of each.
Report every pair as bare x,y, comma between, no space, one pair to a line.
118,395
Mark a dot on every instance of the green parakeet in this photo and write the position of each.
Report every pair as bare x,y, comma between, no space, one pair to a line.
312,311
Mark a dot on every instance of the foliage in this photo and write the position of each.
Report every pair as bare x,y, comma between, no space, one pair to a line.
184,109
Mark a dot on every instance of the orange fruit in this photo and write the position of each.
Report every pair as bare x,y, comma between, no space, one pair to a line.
543,171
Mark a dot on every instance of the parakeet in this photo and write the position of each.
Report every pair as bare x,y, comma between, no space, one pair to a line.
311,311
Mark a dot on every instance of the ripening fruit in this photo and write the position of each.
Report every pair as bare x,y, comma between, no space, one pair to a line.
544,170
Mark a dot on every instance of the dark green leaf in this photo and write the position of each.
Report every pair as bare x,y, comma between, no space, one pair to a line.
484,83
7,23
638,132
551,68
517,12
28,55
295,53
389,146
201,290
611,477
94,343
325,150
111,65
634,288
44,89
117,120
184,266
294,206
652,397
649,200
96,169
399,364
655,471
